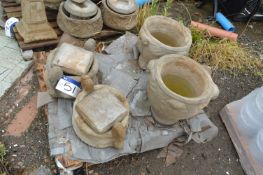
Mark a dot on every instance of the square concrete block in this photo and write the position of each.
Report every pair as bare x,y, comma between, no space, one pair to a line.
73,60
101,109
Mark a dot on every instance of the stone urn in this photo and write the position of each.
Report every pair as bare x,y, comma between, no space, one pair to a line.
80,18
119,14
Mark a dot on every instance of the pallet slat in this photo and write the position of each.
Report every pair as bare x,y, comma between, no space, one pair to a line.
30,46
13,9
14,14
50,17
9,1
8,4
38,44
19,38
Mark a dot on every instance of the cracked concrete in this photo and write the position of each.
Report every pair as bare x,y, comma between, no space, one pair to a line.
12,65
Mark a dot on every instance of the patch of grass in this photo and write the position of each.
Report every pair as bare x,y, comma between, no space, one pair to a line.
151,9
2,151
148,9
3,162
223,54
167,6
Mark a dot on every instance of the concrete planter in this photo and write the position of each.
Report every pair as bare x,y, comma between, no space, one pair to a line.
81,28
118,21
168,106
54,73
160,36
108,138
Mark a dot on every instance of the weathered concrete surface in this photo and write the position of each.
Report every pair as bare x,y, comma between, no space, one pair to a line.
217,157
12,65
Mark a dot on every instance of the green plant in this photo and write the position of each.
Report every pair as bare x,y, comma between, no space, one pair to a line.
145,11
3,162
223,54
167,6
151,9
154,7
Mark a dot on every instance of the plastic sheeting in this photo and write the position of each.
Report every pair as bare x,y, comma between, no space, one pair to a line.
143,134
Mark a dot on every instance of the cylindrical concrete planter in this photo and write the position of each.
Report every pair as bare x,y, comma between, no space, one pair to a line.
118,21
86,133
160,36
81,28
170,106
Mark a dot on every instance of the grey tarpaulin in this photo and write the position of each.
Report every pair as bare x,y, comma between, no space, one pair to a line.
121,81
138,100
118,70
199,127
43,98
124,45
140,137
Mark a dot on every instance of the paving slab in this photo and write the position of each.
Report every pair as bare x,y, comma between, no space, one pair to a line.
12,65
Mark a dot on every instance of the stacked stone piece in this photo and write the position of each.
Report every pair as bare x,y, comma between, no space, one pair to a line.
80,18
119,14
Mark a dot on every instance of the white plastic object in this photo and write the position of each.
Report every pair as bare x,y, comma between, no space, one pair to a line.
256,147
250,119
68,86
9,25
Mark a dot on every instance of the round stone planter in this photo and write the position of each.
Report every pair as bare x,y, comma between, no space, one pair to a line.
81,28
118,21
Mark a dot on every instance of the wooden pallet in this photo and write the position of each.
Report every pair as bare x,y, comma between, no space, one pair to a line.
13,9
229,116
39,44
